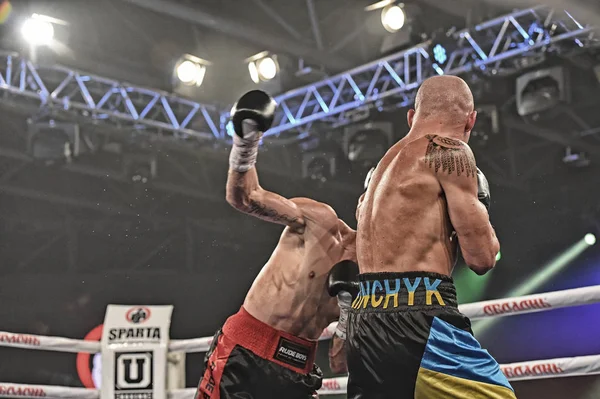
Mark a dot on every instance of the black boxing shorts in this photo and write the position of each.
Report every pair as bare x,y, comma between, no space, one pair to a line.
249,359
406,339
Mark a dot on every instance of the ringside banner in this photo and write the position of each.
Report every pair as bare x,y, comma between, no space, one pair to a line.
134,352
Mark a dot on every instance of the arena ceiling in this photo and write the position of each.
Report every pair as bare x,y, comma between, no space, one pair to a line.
120,39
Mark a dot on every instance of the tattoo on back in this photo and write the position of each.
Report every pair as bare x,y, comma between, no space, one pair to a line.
449,155
262,211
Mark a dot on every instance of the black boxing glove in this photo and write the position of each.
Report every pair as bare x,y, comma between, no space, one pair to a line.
251,116
343,284
256,106
343,277
483,189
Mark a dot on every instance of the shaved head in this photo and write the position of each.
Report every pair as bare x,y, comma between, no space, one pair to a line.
447,96
447,100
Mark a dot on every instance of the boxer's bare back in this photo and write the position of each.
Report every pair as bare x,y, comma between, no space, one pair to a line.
290,291
403,219
422,198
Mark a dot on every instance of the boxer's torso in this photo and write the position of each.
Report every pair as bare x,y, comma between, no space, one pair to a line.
403,222
290,291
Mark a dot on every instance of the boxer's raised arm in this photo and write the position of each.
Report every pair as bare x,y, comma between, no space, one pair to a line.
454,165
244,193
251,116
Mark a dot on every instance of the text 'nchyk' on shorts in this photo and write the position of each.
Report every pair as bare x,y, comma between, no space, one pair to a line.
407,339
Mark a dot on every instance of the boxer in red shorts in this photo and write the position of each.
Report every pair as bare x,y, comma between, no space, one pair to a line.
267,349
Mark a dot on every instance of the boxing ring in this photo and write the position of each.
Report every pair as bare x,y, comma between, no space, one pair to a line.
527,370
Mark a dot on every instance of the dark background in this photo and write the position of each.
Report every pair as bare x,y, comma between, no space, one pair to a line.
72,241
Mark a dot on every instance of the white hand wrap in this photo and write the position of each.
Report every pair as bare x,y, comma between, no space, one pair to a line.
345,303
244,151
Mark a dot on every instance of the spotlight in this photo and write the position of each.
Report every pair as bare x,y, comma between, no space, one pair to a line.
442,46
439,54
590,239
190,70
187,71
262,67
366,143
319,166
38,30
267,69
541,90
392,18
53,143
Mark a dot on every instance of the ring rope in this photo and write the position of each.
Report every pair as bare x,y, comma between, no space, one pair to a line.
531,370
476,310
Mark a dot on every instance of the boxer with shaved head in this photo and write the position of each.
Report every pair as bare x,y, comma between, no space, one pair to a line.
425,199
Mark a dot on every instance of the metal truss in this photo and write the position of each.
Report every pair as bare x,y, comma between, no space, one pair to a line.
488,45
63,89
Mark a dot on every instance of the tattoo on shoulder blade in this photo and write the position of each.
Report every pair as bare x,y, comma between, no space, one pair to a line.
449,155
262,211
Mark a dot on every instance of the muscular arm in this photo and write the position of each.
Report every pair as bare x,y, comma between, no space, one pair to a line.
454,165
245,194
337,355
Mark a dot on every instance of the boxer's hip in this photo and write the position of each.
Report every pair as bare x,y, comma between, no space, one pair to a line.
406,338
287,350
249,356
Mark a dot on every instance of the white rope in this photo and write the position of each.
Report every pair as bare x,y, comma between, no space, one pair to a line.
59,344
532,370
190,345
41,342
8,390
552,368
476,310
532,303
186,393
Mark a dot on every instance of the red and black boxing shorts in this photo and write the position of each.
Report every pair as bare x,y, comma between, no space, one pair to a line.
408,340
252,360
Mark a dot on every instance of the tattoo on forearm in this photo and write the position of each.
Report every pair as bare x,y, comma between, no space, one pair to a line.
262,211
449,155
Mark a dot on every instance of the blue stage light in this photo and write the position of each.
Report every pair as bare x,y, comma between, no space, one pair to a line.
439,54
